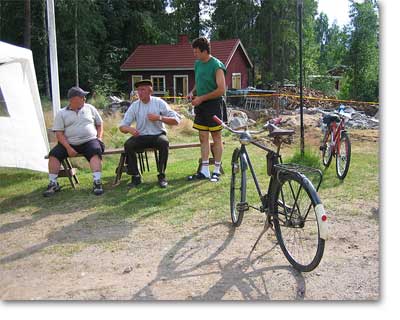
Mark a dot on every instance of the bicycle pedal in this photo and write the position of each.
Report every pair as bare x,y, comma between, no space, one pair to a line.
243,206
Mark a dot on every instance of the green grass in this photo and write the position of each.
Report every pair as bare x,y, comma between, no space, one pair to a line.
183,201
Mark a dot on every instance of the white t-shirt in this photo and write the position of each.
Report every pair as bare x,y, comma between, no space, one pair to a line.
138,112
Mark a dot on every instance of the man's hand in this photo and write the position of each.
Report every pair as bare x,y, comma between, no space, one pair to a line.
153,117
196,101
134,132
71,152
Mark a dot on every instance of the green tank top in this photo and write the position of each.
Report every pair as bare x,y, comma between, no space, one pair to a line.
205,75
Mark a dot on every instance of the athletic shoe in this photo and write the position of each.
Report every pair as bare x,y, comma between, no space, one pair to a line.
163,183
135,181
97,188
52,188
215,177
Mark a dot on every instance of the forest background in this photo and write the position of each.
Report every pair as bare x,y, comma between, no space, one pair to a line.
94,37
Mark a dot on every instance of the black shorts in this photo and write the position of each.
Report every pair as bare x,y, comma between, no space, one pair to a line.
204,113
88,149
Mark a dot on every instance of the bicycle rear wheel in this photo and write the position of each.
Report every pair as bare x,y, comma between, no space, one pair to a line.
238,189
343,156
326,149
299,220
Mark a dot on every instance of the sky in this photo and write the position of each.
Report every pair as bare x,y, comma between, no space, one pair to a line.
335,10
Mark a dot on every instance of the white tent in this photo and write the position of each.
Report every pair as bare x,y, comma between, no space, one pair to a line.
23,134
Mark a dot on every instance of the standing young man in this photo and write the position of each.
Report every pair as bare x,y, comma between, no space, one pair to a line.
150,113
207,101
79,129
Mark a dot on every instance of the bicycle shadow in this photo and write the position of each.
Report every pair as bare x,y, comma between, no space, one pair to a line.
238,276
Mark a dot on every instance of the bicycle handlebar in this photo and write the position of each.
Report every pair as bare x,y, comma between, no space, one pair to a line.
270,126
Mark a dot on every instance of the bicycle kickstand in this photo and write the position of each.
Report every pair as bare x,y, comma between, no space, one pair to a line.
267,225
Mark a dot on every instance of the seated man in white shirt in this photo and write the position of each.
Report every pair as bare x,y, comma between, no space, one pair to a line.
150,113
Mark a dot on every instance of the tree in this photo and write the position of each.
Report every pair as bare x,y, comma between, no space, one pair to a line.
363,57
189,17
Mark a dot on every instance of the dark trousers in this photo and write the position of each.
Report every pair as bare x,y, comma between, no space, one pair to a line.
138,144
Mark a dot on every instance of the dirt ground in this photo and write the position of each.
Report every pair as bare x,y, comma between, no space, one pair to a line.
203,259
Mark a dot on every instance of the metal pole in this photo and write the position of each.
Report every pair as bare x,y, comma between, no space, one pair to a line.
300,17
55,89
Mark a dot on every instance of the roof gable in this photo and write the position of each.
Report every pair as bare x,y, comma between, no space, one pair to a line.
178,56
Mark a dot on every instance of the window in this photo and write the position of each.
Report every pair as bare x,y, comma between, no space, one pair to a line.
158,84
236,81
135,79
3,106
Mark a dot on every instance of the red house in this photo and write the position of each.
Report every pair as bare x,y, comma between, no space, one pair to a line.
171,66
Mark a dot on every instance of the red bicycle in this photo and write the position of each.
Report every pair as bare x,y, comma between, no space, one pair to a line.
336,142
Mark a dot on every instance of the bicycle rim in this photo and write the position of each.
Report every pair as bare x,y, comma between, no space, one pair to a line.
343,156
237,190
327,152
296,222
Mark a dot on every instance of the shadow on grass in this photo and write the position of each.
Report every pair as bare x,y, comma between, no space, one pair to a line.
191,259
95,227
108,224
11,176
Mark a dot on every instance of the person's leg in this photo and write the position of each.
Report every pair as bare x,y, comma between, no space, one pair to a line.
161,143
205,152
130,147
93,150
56,155
218,149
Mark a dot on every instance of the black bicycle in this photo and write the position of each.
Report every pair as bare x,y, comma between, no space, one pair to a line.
292,205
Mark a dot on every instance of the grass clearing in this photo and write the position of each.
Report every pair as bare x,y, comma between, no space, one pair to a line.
21,190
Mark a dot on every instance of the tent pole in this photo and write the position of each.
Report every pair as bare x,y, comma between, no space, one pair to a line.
55,89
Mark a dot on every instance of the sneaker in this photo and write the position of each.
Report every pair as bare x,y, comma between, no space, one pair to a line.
215,177
97,188
135,181
52,188
163,183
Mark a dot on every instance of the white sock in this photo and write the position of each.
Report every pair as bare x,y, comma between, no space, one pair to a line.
97,176
217,167
204,168
53,177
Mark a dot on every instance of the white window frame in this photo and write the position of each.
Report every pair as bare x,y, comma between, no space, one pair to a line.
158,76
133,83
240,77
187,84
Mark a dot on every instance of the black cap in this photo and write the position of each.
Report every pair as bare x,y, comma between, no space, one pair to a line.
76,92
145,82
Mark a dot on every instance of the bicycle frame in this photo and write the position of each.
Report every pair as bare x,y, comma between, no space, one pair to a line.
244,156
336,130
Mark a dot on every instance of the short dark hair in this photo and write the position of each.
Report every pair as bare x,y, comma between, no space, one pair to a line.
202,43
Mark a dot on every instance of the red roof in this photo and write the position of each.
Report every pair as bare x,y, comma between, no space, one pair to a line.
177,56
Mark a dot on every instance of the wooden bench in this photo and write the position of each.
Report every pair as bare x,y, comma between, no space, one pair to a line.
67,170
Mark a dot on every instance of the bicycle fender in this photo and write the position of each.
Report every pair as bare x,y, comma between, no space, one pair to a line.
322,221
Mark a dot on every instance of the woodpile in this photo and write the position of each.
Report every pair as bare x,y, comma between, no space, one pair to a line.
289,98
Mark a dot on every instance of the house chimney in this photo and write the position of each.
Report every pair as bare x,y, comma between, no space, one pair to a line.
183,39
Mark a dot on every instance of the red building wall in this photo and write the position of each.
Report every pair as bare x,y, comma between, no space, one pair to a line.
238,64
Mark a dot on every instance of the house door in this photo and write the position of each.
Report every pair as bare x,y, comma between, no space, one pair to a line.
180,86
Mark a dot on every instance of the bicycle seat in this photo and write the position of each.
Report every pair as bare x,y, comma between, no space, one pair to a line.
330,118
274,131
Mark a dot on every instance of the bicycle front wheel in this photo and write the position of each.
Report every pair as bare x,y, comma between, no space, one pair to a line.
343,156
238,189
326,149
299,220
